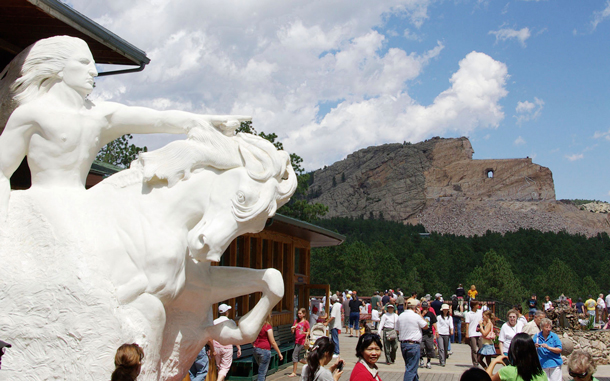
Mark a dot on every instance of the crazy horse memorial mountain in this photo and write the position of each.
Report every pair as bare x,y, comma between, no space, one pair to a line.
438,184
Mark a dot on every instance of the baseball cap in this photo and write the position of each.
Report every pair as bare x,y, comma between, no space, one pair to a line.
223,308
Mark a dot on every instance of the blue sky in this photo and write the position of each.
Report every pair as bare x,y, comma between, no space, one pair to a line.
520,78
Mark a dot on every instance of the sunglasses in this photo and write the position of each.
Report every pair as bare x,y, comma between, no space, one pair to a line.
579,375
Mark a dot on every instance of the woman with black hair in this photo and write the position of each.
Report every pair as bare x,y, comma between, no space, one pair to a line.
368,351
523,362
321,354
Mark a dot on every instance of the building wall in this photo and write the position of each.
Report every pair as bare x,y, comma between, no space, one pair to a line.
268,249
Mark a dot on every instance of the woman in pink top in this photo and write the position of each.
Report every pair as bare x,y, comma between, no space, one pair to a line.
262,349
300,328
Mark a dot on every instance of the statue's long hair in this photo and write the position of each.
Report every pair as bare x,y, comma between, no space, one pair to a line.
34,71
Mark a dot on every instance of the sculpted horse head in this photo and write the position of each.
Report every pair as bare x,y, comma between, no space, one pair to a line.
245,179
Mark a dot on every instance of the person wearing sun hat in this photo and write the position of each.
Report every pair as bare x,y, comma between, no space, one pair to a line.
223,354
387,324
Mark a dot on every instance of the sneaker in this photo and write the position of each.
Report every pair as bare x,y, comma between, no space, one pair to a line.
450,353
429,366
421,364
335,355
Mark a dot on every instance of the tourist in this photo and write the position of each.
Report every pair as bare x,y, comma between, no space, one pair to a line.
354,315
533,327
549,348
486,327
590,304
581,366
473,336
523,362
607,302
457,312
400,302
509,329
334,323
580,306
601,308
444,323
429,333
532,305
376,301
321,354
472,293
127,362
262,349
346,311
409,326
460,293
199,369
387,327
548,305
520,318
368,351
413,297
475,374
437,304
313,317
300,329
385,299
223,354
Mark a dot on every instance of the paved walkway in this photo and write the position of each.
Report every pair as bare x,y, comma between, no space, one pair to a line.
456,365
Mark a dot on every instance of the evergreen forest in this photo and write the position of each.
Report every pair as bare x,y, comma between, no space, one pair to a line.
379,255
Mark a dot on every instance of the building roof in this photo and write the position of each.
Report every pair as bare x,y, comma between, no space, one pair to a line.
23,22
316,235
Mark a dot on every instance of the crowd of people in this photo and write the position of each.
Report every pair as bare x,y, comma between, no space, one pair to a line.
530,351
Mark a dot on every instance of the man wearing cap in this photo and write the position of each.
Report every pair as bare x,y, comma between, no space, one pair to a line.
334,322
409,326
400,302
346,312
223,354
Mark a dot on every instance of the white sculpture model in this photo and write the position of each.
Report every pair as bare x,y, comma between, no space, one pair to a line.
129,260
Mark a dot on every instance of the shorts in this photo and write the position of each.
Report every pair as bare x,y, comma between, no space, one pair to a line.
296,352
354,320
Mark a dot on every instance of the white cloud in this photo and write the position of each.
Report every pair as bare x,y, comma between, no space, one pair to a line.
527,110
279,61
409,35
519,141
574,157
508,33
599,16
600,135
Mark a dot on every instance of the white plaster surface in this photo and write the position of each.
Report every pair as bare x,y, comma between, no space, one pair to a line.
129,260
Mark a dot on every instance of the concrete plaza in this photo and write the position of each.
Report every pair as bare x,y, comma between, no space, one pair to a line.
456,365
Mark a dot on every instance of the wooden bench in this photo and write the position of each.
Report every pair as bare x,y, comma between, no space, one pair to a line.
245,368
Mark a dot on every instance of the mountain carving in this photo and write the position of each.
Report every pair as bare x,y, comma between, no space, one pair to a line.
437,183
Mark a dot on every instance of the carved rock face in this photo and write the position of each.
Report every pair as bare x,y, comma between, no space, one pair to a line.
438,184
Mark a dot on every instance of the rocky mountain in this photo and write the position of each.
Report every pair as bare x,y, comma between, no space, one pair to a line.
438,184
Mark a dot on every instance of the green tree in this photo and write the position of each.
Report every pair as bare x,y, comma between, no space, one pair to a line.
495,279
589,287
119,152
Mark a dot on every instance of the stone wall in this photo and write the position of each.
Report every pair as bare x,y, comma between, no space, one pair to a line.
595,341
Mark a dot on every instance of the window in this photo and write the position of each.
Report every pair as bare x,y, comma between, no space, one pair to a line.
490,173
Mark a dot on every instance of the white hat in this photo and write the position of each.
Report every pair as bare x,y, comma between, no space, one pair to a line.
223,308
445,307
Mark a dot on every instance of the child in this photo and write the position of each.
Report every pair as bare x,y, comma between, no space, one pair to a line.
300,328
472,293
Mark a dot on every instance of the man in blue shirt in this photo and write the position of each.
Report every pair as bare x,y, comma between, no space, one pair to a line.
549,348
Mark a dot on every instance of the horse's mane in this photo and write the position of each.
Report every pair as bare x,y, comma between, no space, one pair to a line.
205,148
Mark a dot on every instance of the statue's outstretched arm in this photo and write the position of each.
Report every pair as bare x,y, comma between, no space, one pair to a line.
14,143
141,120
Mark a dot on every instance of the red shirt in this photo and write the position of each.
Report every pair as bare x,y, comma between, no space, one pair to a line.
360,373
262,341
299,331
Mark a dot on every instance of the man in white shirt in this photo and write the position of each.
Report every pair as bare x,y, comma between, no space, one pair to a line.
472,334
334,322
409,327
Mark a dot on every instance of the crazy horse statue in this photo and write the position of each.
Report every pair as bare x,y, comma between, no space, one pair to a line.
129,260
